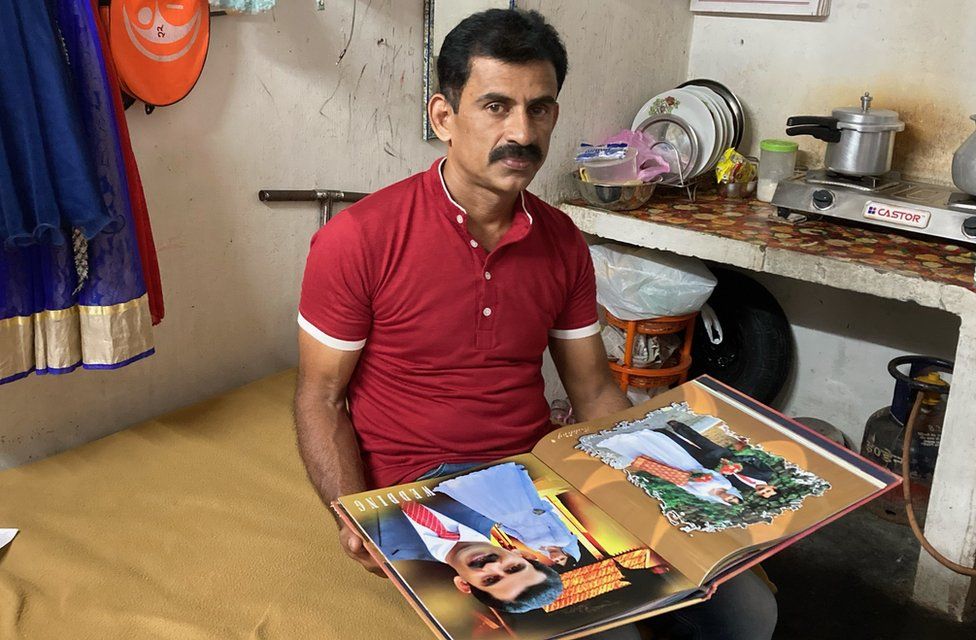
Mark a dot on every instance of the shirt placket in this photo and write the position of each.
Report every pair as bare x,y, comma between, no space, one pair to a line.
487,297
485,333
487,302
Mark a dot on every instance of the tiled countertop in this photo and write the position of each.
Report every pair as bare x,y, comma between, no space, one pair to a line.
750,230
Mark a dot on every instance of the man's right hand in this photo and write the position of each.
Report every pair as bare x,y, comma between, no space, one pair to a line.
355,548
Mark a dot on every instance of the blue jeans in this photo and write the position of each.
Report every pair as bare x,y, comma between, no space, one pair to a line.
448,468
742,609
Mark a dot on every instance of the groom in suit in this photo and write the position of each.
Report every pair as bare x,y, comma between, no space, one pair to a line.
742,475
441,529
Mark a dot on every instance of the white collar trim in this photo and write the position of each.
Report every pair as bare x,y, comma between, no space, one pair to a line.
440,173
525,208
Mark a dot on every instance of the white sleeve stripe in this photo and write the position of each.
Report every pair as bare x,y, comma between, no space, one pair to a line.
575,334
327,340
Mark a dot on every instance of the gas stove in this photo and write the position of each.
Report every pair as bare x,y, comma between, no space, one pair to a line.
884,201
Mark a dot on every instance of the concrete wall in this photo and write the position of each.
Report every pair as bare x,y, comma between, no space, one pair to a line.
844,342
915,56
274,110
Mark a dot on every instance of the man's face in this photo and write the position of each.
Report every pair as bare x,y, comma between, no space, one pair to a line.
499,136
499,572
766,490
556,555
729,498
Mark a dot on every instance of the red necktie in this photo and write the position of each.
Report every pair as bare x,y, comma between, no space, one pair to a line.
426,518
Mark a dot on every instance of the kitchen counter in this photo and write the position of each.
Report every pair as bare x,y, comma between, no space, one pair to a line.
747,233
867,260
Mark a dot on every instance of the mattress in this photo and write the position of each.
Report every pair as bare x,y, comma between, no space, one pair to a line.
199,524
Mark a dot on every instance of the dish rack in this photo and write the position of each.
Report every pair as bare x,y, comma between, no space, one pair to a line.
675,369
691,186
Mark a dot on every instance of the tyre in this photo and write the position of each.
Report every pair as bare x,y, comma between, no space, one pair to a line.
756,354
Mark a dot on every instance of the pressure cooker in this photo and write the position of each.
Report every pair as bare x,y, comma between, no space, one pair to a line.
860,140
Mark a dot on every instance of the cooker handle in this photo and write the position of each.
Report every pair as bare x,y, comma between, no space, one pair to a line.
821,133
823,121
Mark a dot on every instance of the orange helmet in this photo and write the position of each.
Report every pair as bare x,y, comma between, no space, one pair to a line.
159,46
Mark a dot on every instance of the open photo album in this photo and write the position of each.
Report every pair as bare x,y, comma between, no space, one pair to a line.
613,520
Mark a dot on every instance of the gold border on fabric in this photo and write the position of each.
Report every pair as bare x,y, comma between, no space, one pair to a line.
16,345
60,338
110,335
57,338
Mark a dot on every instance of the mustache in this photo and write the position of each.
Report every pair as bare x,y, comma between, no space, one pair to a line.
517,151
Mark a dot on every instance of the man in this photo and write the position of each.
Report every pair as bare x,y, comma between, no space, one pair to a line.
506,494
426,307
652,451
429,304
742,475
708,485
443,530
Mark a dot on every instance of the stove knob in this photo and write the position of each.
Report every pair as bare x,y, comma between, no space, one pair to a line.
823,199
969,226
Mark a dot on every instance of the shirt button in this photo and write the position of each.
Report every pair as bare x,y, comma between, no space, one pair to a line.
474,244
487,275
486,311
538,512
460,219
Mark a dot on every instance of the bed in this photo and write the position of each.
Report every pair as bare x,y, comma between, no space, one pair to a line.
199,524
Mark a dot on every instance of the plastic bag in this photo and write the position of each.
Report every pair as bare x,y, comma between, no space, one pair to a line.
733,167
650,163
649,352
640,396
635,283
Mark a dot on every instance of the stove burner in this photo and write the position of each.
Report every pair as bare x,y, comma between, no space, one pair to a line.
869,184
962,202
887,202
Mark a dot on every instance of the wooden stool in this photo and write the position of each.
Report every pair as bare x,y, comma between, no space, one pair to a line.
673,371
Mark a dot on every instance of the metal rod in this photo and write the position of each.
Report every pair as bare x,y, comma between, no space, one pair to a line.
325,197
308,195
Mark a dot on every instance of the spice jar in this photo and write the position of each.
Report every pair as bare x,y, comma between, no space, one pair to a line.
777,161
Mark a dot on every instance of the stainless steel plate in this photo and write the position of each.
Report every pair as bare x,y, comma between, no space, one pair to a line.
730,99
676,140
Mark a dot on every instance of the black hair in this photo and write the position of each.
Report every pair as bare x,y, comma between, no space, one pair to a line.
509,35
534,597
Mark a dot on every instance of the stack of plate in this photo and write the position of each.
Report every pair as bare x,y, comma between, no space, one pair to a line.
693,125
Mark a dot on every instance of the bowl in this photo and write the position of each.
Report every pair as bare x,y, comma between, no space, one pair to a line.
737,190
615,197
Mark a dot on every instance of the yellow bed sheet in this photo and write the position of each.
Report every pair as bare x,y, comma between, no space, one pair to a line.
200,524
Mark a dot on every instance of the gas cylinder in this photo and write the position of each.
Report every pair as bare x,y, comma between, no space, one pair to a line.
885,429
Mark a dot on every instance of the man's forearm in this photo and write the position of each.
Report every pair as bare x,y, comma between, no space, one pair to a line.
606,400
582,366
327,443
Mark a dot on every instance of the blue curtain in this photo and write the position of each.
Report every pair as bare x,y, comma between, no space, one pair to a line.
47,323
47,175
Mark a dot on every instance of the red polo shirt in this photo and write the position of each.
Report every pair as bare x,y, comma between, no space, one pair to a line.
452,336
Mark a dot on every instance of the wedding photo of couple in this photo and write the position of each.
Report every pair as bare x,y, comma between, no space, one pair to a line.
703,482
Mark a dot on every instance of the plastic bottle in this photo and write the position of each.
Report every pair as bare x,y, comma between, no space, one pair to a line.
777,161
